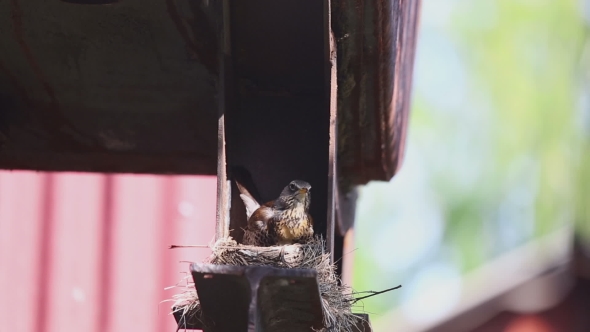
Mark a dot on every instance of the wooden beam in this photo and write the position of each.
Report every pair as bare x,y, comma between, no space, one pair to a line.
225,85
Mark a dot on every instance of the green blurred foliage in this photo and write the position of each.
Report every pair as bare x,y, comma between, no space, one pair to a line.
516,135
582,149
527,62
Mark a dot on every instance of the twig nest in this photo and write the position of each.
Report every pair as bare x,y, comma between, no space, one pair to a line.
336,299
228,252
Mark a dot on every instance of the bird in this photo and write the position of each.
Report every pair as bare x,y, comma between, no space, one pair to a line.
285,220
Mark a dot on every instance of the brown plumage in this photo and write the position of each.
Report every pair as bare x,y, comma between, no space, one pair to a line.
285,220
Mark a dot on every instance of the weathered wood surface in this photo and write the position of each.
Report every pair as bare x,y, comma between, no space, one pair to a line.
255,298
124,87
376,46
133,86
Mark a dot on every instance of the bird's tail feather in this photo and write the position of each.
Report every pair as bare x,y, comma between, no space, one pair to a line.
242,178
250,203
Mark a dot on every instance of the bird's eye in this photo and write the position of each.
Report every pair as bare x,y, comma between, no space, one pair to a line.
292,186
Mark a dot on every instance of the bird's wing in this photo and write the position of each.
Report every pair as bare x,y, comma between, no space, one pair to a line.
260,218
250,203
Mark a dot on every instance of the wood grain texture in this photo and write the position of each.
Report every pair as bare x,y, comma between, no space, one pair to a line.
376,42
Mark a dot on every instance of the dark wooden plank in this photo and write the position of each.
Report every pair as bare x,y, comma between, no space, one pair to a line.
226,85
376,41
332,96
258,298
126,87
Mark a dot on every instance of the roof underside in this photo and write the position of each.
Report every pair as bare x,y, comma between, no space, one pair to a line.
132,86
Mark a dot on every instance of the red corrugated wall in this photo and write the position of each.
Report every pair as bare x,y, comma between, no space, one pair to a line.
88,252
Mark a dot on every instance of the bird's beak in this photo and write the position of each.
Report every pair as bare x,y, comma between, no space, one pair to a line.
303,191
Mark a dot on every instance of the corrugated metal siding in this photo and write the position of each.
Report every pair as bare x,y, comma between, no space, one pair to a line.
88,252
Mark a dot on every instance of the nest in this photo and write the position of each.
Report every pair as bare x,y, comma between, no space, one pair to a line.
336,299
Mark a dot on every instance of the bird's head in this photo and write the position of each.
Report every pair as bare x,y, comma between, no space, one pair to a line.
297,191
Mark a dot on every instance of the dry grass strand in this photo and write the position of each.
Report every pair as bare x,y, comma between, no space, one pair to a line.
336,299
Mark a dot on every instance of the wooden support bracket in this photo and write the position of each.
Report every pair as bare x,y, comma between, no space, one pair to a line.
257,298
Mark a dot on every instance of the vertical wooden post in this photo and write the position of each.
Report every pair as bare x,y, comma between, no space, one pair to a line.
332,92
224,102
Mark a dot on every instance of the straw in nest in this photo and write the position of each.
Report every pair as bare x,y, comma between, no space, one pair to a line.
336,299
